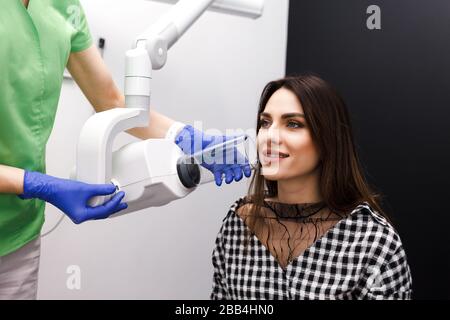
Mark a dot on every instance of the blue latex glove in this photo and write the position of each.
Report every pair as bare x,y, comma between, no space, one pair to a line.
191,141
72,197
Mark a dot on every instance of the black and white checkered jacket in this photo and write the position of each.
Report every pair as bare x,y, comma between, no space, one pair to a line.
361,257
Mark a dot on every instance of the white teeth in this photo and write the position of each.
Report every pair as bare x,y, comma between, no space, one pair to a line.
277,156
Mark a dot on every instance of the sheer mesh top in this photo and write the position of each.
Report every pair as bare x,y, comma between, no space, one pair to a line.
287,230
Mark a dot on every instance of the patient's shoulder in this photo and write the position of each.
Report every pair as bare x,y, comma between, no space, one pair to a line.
241,208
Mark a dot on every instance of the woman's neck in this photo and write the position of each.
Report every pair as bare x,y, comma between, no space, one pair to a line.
25,3
303,189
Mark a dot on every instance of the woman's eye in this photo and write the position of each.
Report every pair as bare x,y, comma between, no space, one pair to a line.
294,124
264,123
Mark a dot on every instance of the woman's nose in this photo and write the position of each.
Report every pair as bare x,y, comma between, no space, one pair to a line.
273,135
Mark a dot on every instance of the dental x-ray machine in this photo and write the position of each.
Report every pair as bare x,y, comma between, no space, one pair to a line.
148,171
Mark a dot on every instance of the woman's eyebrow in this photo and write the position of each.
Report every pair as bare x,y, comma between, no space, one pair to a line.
292,115
284,116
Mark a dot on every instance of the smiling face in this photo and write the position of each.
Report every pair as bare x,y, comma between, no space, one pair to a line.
285,146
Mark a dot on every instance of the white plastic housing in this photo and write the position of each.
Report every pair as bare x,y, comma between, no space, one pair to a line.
94,149
147,172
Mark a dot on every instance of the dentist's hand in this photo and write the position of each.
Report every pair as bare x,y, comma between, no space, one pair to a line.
72,197
191,141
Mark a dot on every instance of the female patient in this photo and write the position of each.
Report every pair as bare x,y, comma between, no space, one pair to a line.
310,228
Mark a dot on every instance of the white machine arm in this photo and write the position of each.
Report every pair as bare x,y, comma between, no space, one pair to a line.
157,182
244,8
162,35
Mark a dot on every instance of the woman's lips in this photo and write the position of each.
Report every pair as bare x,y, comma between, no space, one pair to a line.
273,156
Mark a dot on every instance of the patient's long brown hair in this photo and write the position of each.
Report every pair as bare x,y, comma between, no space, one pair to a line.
342,182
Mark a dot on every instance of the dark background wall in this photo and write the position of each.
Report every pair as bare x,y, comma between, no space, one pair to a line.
396,82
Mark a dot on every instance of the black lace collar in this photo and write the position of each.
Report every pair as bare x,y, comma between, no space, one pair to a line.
295,211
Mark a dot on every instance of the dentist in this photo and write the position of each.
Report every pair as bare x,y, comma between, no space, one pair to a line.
38,40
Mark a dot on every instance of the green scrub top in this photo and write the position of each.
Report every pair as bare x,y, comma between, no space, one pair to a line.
35,45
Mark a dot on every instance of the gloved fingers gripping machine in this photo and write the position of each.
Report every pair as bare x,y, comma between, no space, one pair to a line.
151,172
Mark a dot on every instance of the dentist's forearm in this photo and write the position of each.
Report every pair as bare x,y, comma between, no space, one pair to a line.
158,126
157,129
11,180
